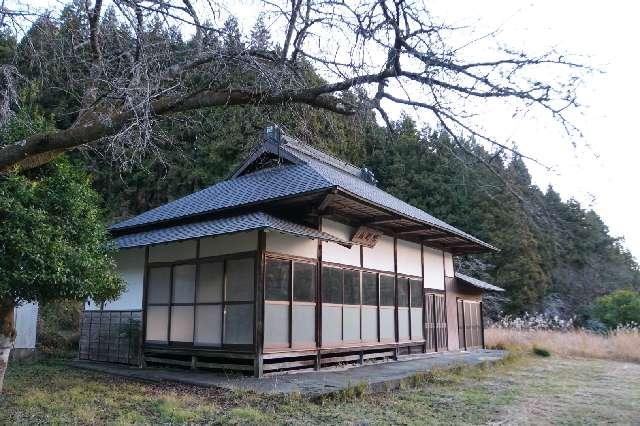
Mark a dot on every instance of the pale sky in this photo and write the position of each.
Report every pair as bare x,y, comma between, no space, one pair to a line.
598,169
601,169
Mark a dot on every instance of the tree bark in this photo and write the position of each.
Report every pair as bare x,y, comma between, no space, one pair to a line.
7,335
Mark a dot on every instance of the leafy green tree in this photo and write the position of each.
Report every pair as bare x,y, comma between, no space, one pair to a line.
53,243
621,307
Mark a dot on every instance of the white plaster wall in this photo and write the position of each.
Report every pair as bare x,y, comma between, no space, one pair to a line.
292,245
171,252
26,321
228,244
409,258
448,265
433,268
380,256
332,252
131,267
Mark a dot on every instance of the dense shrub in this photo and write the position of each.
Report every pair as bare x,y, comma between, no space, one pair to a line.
619,308
58,328
541,352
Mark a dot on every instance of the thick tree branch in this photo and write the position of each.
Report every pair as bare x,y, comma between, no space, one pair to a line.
35,150
118,73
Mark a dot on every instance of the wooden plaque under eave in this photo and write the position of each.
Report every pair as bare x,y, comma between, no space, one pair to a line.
366,236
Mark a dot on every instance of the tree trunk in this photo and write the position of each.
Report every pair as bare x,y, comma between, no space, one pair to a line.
7,335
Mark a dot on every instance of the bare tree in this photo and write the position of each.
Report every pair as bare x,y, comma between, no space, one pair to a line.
392,52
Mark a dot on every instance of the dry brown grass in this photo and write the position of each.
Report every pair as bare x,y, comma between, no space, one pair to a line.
618,345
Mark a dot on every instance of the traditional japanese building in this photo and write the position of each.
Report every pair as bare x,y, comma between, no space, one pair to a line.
297,261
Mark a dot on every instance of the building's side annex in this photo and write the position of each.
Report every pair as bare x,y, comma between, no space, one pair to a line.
298,261
26,323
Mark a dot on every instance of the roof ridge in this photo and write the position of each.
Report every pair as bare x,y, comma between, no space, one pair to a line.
321,155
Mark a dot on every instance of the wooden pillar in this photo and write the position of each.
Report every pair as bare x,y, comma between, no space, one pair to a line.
482,324
435,324
318,362
460,304
446,306
194,359
259,305
194,362
424,299
145,287
395,284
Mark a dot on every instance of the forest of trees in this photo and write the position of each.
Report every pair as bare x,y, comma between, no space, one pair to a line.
556,256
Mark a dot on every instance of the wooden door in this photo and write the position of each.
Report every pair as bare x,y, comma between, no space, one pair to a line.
470,328
430,323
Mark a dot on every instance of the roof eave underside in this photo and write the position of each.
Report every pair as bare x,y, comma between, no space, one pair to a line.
468,244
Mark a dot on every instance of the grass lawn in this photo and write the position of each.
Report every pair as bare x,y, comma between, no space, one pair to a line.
527,390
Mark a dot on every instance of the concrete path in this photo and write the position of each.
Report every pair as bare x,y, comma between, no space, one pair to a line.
377,377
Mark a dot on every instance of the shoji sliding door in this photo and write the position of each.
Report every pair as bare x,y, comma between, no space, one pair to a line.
207,303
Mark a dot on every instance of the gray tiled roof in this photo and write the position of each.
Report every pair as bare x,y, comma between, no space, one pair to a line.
226,225
262,185
315,171
477,283
365,190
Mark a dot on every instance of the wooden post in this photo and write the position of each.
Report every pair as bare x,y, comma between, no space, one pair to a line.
446,290
360,272
172,267
424,299
319,299
290,325
482,324
195,296
408,281
435,324
259,305
460,303
378,305
145,288
395,296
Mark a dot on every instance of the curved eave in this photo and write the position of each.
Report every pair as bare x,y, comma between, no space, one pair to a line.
222,226
467,243
474,282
